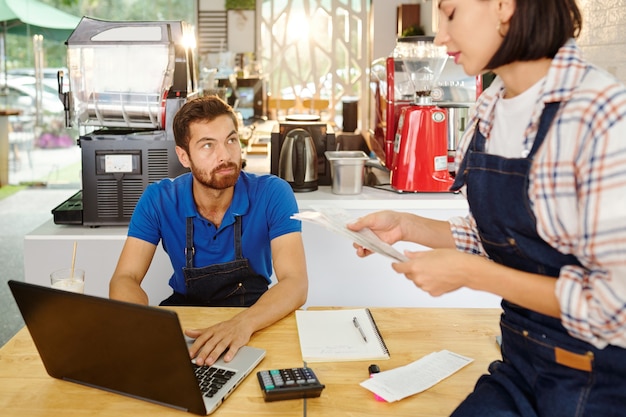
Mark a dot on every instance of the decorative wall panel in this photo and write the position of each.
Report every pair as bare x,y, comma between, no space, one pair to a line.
315,49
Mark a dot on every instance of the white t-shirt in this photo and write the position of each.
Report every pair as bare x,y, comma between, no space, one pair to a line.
512,116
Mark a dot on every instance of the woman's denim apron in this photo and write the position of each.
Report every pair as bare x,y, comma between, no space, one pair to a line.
545,371
229,284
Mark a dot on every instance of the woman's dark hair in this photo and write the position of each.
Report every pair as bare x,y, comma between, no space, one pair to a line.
538,28
201,109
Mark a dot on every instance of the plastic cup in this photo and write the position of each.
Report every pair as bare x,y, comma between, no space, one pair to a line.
63,279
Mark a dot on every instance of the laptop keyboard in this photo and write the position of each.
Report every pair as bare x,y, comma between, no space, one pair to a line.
212,379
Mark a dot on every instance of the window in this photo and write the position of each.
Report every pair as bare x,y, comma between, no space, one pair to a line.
315,49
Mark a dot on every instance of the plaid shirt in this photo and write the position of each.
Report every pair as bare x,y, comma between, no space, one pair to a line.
577,189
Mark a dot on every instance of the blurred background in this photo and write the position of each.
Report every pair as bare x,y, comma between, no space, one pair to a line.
42,151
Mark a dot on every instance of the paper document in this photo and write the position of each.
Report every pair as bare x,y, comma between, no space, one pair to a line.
418,376
335,220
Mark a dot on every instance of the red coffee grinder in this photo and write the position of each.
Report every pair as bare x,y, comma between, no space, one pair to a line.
420,146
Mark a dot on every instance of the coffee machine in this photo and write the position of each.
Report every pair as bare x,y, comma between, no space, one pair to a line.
420,147
393,90
127,80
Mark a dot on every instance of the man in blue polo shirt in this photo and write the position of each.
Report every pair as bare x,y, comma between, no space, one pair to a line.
223,229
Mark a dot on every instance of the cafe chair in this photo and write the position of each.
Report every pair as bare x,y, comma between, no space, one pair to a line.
280,107
315,105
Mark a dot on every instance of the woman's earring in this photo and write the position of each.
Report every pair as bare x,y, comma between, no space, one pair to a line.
499,29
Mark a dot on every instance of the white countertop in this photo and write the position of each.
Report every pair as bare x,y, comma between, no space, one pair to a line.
377,199
370,199
72,232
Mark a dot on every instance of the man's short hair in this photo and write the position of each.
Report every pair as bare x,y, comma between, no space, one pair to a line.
200,109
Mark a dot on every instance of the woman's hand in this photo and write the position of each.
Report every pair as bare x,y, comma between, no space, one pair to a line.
438,271
385,224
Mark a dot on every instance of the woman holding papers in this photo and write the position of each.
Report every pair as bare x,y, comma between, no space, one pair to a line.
543,166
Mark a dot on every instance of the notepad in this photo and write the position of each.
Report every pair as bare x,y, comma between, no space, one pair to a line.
332,336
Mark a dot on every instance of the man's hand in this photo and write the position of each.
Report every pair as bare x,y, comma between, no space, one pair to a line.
211,342
288,294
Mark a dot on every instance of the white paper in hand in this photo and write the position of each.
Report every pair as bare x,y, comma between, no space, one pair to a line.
336,219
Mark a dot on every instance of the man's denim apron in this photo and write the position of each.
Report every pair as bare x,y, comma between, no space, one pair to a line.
545,371
229,284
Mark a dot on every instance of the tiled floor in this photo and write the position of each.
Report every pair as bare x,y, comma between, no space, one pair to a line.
20,214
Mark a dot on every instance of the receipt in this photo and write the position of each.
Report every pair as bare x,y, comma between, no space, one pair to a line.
418,376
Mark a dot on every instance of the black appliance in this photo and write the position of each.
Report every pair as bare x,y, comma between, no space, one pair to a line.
248,96
297,162
117,168
323,139
252,98
127,80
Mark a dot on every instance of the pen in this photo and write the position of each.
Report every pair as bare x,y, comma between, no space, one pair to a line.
358,326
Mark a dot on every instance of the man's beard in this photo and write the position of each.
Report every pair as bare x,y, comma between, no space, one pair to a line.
217,183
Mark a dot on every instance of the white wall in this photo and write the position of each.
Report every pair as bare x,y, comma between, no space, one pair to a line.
211,5
602,39
384,23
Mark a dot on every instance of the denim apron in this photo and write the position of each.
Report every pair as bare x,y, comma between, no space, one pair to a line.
229,284
544,371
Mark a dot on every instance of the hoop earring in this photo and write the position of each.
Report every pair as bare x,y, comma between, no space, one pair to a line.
499,29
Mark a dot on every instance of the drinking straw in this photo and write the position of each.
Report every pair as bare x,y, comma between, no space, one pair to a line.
73,260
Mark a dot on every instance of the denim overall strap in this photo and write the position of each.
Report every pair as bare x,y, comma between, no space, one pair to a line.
189,249
238,249
497,193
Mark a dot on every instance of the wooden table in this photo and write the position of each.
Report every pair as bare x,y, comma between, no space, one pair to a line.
410,333
26,390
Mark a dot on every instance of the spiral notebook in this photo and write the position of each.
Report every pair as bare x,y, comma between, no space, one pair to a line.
339,335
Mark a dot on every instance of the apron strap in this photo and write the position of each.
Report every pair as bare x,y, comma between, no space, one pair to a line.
189,249
238,249
547,117
477,143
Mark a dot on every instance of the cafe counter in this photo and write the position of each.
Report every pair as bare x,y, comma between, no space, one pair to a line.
336,275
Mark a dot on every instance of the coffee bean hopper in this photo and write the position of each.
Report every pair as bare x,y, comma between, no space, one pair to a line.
126,81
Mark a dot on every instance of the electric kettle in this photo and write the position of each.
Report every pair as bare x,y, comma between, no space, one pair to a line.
297,162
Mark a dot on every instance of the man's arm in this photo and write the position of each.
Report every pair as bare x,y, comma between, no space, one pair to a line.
131,269
287,295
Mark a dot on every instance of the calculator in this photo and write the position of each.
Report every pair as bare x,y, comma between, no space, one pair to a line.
289,383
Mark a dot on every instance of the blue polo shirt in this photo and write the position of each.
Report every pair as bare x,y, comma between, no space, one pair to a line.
264,202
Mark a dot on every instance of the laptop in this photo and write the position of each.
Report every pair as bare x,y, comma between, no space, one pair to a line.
130,349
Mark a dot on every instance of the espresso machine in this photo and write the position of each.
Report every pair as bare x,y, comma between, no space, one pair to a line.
420,147
126,82
417,156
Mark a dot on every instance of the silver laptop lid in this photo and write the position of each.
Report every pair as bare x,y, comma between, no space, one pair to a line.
134,350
